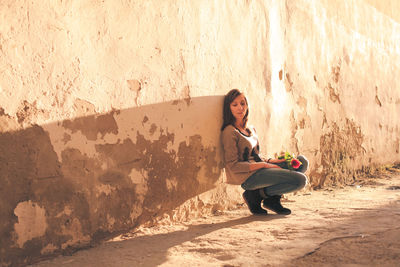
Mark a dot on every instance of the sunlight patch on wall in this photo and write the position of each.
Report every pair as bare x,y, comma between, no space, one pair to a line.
277,55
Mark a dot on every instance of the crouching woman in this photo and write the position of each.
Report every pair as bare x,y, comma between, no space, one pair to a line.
263,180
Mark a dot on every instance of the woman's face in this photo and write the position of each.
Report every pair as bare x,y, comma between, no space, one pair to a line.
239,107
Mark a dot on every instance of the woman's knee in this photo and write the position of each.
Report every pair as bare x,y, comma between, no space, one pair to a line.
302,181
245,186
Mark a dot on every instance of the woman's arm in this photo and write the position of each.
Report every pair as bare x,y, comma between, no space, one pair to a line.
275,160
260,165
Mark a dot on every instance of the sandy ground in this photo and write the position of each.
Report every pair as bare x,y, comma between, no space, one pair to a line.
351,226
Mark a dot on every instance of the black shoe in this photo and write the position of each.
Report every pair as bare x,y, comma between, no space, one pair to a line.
274,203
253,202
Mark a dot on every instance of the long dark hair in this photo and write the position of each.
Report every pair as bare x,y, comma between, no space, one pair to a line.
228,117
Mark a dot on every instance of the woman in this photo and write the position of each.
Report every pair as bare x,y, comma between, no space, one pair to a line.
263,180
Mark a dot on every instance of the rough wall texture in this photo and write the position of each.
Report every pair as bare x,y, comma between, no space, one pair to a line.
110,112
344,92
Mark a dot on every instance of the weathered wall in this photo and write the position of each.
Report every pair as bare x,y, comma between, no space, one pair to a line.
110,112
343,91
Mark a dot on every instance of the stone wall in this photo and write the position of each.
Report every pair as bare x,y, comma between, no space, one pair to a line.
110,112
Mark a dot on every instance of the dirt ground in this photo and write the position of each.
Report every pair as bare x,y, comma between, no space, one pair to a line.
351,226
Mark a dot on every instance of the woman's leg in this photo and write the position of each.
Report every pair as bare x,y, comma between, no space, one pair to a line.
275,181
272,184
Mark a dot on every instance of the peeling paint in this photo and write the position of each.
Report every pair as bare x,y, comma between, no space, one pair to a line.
302,102
83,107
31,222
66,138
153,128
333,94
289,83
27,111
134,85
336,72
186,92
145,119
339,150
7,123
91,126
160,166
103,189
48,249
73,230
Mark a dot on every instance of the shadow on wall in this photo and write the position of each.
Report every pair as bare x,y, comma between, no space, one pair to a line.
67,184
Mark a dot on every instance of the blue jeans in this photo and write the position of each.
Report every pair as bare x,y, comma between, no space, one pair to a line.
278,181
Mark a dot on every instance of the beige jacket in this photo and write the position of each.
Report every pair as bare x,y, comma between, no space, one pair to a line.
237,148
